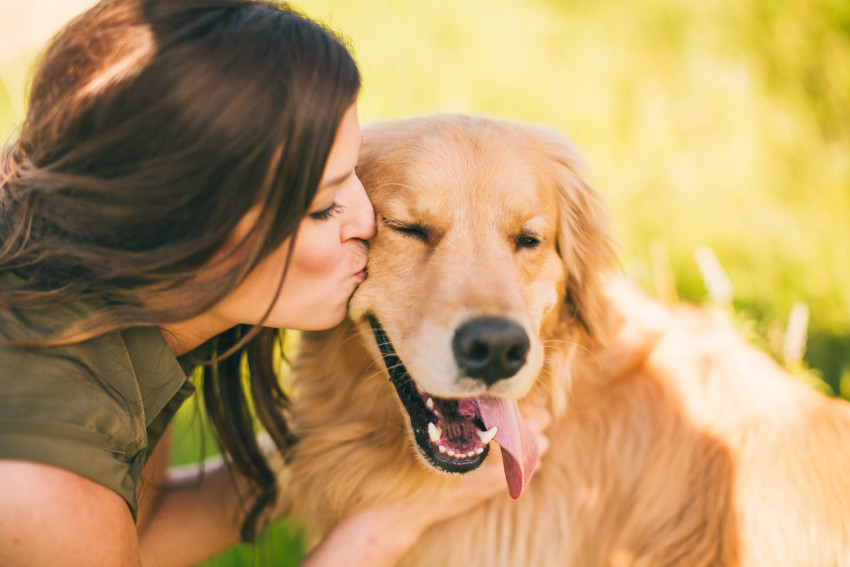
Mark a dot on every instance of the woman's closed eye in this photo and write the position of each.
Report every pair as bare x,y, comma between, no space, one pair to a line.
327,213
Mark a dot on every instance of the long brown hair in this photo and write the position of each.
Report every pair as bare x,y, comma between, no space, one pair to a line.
153,126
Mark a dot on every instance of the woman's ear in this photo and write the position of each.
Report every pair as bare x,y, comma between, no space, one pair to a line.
584,239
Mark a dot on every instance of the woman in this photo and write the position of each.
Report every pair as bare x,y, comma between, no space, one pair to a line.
185,169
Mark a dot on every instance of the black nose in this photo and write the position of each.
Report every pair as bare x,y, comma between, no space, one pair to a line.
490,348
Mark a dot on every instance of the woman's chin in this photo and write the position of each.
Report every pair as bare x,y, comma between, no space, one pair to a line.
313,321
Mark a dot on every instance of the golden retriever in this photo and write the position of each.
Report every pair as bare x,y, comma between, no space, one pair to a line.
492,278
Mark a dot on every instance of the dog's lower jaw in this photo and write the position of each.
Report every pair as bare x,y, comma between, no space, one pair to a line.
446,432
469,424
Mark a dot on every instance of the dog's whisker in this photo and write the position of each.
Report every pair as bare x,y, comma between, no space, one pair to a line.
555,383
545,384
367,380
374,370
578,345
373,364
571,343
390,369
349,338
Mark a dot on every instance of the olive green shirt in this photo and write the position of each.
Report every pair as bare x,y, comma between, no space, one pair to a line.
96,408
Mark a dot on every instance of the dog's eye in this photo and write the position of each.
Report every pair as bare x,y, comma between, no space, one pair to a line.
527,241
409,229
413,230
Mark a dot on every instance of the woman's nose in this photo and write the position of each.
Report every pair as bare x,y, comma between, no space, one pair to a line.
361,223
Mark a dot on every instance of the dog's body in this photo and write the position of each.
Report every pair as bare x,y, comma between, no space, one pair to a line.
674,442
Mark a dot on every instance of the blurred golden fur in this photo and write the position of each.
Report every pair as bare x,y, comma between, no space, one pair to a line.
674,442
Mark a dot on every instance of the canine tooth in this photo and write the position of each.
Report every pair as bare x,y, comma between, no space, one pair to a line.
479,450
451,453
430,403
441,449
434,432
487,436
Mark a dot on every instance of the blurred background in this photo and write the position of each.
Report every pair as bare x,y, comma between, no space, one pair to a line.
713,129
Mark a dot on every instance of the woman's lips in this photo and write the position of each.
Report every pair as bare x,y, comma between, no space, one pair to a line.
362,251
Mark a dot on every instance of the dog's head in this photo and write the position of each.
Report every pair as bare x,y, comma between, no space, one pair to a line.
490,246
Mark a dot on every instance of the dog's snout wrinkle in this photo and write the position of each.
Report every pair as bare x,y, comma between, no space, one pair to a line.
490,348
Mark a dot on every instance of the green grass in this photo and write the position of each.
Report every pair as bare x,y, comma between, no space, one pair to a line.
280,545
721,123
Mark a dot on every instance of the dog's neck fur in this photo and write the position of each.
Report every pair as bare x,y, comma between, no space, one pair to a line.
634,475
360,407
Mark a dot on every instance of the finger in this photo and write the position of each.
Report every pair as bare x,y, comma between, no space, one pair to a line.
542,444
490,476
468,490
538,419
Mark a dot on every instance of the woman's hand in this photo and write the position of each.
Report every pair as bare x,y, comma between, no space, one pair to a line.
361,538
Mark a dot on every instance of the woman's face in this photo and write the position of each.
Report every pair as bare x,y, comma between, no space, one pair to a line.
329,256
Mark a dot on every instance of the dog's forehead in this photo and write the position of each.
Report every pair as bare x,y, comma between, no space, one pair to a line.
464,170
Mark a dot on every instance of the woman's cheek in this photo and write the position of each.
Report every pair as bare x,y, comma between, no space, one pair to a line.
318,251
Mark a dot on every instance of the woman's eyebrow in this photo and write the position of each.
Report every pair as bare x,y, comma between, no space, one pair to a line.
337,181
342,177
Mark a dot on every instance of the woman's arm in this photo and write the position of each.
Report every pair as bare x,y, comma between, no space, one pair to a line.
183,526
380,537
186,514
50,516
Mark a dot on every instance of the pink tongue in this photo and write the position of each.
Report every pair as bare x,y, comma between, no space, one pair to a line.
519,447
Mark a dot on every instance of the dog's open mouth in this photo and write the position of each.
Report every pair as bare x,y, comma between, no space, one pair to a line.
454,434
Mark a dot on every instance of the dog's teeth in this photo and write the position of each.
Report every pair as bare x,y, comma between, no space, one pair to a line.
430,403
434,433
451,453
420,390
441,449
479,450
487,436
470,454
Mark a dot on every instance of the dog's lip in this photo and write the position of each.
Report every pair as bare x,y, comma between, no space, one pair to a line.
461,450
467,443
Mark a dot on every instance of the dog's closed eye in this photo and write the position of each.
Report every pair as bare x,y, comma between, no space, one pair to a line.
409,229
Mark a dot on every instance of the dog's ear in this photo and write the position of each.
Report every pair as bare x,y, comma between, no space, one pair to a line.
584,239
370,151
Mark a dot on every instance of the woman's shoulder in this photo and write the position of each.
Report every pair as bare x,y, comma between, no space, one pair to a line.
133,367
83,407
34,324
124,374
88,391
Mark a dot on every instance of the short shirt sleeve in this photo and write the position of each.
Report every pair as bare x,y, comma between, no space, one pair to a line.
86,407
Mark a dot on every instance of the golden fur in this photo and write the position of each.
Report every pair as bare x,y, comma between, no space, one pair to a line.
674,442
